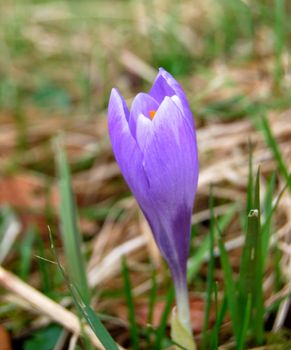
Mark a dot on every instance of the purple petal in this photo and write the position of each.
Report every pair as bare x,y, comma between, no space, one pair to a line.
166,85
142,104
172,150
125,148
171,165
162,87
143,131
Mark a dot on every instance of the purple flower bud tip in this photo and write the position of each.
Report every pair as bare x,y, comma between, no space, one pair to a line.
155,146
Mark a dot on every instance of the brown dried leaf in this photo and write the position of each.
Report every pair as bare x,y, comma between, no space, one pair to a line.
22,191
5,343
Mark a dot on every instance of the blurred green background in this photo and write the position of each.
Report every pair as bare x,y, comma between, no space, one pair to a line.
65,56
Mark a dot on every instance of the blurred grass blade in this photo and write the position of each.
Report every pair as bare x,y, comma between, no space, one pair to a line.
198,257
269,211
130,306
26,253
160,333
151,303
10,229
278,278
266,228
152,296
272,143
45,280
210,277
219,316
84,308
230,288
69,229
215,331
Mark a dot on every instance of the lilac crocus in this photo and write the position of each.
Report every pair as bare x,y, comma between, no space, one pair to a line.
155,146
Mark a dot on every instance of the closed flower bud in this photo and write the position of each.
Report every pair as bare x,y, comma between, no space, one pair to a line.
155,146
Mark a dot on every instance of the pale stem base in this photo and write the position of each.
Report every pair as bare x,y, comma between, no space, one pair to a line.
183,307
181,329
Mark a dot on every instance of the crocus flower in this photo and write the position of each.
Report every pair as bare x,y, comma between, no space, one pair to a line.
155,146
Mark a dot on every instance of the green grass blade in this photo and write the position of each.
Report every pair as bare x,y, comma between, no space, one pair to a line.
84,308
160,333
259,295
250,257
71,236
26,253
195,261
250,188
215,331
272,143
268,213
219,314
94,322
278,278
230,287
130,307
210,277
45,279
243,337
251,268
247,271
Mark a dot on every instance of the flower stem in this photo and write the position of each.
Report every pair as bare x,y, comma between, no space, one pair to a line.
181,329
183,307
